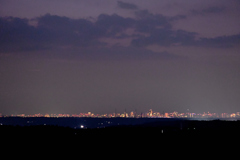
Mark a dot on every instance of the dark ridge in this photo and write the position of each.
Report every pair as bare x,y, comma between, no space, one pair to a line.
153,130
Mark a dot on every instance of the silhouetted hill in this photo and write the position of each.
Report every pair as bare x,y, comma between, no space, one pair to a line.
153,130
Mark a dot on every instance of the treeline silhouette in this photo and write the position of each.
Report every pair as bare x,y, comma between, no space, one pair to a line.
153,130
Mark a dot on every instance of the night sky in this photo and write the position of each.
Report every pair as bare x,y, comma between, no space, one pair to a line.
72,56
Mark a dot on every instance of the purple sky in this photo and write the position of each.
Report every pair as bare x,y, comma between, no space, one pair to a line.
75,56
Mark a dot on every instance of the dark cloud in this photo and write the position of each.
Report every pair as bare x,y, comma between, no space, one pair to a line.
125,5
66,31
17,35
220,42
158,29
78,36
53,31
177,17
112,24
209,10
146,21
166,37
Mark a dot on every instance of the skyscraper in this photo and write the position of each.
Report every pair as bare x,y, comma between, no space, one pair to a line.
150,112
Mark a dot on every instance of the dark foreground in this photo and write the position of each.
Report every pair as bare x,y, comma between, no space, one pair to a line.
151,130
173,139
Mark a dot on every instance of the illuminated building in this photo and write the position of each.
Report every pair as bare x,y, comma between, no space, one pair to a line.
150,112
166,115
132,114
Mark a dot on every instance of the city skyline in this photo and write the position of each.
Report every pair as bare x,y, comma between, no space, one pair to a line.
134,114
68,56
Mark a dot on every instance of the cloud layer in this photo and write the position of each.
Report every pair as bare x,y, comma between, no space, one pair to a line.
125,5
145,29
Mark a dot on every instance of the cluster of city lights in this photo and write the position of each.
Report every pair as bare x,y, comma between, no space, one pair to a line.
132,114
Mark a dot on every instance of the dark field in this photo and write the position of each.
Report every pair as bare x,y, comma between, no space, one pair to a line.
155,129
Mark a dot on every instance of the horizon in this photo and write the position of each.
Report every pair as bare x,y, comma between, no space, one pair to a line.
132,114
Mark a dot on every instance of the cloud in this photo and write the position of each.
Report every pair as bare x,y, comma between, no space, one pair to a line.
209,10
167,37
79,38
52,31
158,31
17,35
220,42
146,21
66,31
125,5
113,24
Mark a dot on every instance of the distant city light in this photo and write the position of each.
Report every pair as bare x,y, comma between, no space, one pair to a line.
148,114
81,126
